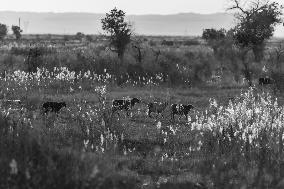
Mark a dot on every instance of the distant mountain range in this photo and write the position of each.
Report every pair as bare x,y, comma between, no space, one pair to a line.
182,24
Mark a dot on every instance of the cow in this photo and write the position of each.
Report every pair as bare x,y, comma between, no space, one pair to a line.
156,107
124,104
53,107
265,81
180,109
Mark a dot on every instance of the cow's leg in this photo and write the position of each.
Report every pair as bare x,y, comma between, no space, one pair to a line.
149,113
173,116
179,116
160,114
112,111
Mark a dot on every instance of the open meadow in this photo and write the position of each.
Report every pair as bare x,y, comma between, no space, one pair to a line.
170,95
232,138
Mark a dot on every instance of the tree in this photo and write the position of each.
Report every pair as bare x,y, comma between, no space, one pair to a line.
220,43
256,23
119,30
137,44
276,57
79,36
17,32
33,59
214,37
89,38
213,34
3,31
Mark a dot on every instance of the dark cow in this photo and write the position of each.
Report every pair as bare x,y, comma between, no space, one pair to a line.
156,107
124,104
53,106
181,109
265,81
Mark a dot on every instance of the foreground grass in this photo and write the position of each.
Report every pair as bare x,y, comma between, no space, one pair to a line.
233,139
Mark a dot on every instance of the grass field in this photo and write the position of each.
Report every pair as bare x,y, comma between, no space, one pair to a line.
233,138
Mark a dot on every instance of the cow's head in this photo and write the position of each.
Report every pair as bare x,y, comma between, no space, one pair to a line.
134,101
190,106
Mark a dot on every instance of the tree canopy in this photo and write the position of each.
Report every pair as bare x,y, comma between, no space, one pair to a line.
17,32
119,30
256,22
214,37
213,34
3,31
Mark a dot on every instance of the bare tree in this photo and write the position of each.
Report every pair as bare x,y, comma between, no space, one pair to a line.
137,44
277,55
276,58
247,70
157,53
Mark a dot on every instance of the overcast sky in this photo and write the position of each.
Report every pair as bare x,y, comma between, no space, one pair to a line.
129,6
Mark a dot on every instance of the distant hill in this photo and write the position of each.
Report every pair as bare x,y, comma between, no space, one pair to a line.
89,23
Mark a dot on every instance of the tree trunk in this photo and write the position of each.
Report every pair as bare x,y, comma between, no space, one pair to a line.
120,57
248,76
247,72
258,52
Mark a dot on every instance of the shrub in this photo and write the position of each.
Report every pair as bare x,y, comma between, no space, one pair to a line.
191,42
17,32
3,31
167,43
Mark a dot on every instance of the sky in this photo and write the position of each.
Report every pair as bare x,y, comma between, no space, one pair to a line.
129,6
137,7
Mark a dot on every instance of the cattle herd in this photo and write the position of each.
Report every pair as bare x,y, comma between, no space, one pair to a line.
265,81
128,104
153,107
159,107
53,107
124,104
119,105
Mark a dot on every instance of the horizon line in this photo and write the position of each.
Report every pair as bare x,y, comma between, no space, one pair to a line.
83,12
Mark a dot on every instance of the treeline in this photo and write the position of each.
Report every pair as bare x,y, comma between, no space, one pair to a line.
232,55
17,31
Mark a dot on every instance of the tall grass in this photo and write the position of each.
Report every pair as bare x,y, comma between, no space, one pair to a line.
86,146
